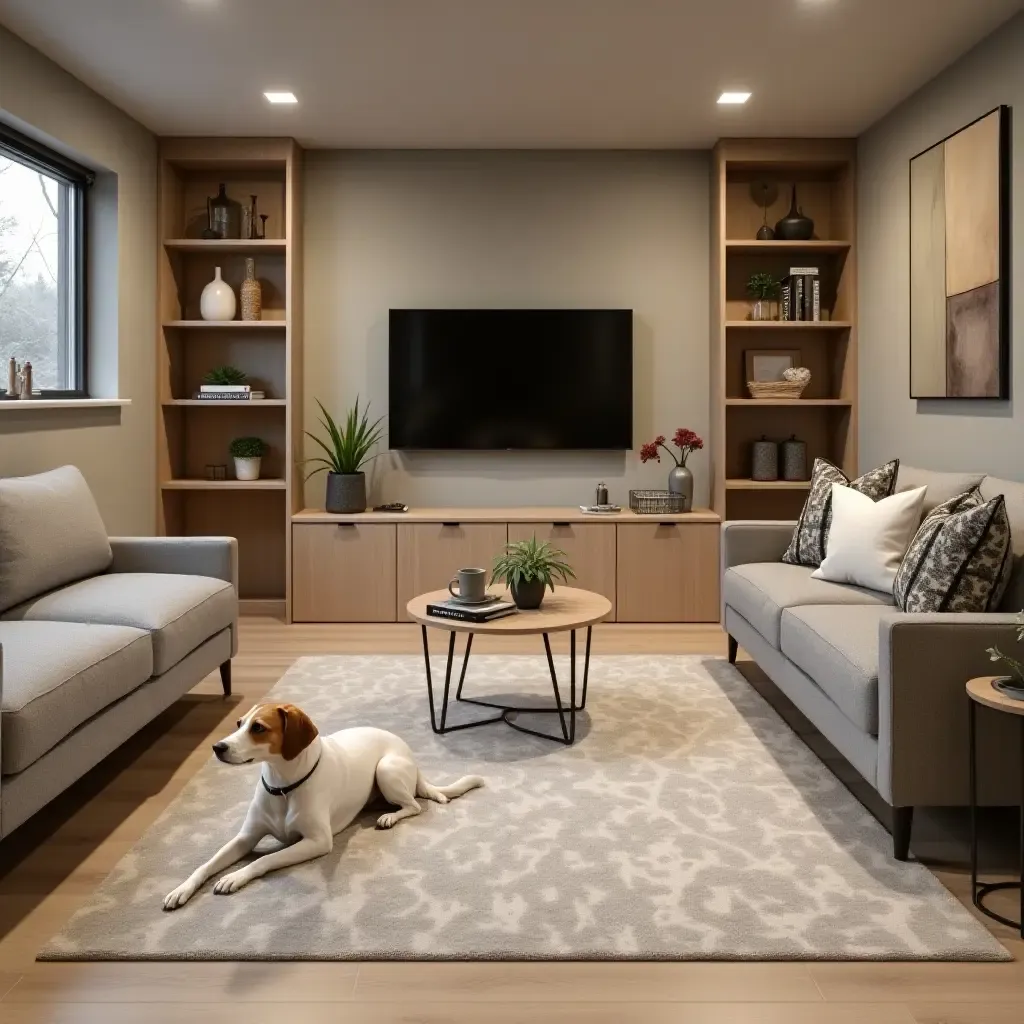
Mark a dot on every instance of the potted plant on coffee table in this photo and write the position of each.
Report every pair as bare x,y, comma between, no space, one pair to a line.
248,453
527,567
348,449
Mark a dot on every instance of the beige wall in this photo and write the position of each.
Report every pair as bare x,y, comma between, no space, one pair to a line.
114,449
941,434
413,229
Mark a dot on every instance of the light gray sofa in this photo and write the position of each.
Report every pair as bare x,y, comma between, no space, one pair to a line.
885,687
97,635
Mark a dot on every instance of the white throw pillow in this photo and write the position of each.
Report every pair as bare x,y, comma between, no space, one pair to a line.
868,539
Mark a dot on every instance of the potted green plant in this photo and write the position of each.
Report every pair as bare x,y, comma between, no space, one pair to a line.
527,567
764,289
1016,680
248,453
225,375
348,449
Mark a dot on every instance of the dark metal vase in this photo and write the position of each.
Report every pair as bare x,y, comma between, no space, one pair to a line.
680,481
346,493
528,593
794,227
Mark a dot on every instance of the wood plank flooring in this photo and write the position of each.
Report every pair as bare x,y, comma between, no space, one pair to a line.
50,865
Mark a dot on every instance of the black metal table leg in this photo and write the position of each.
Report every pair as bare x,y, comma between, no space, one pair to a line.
444,727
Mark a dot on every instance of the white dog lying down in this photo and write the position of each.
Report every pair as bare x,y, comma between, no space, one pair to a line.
311,787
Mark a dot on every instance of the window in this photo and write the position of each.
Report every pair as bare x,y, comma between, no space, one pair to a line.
42,265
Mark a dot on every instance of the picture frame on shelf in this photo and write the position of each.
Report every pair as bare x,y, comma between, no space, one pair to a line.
766,365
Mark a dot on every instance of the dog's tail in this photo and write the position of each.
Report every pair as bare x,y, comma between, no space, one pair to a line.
445,793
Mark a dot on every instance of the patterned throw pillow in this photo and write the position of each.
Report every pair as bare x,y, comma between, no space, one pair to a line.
960,560
808,544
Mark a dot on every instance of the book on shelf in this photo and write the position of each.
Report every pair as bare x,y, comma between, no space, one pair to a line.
801,295
460,612
224,389
224,396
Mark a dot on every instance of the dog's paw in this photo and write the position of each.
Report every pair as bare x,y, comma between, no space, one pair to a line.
441,798
230,883
386,821
180,896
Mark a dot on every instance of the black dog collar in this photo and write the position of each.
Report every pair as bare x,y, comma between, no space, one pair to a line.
285,790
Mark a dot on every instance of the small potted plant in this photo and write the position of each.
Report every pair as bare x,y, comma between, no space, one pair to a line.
247,452
680,479
225,376
764,289
527,567
348,450
1014,682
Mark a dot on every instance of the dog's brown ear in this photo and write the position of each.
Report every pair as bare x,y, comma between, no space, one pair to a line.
297,731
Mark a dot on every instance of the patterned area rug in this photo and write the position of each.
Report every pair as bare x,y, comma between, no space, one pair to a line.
687,823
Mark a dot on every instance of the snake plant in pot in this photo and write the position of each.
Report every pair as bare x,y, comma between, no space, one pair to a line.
348,449
527,567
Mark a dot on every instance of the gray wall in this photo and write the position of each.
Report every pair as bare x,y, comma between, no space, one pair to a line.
411,229
938,434
115,449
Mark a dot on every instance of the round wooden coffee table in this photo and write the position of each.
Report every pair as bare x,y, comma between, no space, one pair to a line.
565,610
981,691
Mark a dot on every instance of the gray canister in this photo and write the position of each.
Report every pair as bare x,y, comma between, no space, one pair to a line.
794,459
765,460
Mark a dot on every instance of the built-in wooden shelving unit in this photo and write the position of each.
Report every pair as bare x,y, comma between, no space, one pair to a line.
826,415
192,433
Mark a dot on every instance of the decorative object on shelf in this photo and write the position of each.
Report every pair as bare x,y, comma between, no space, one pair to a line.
26,381
13,378
224,384
263,225
252,293
680,479
801,295
794,227
769,364
248,453
225,375
223,215
764,193
794,459
960,263
764,460
793,384
1011,685
764,289
656,503
216,471
602,494
217,303
527,567
249,220
348,450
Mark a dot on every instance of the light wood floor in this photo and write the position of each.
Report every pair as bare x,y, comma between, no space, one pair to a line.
50,865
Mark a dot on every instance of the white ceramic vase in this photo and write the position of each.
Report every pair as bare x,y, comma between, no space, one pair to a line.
218,300
247,469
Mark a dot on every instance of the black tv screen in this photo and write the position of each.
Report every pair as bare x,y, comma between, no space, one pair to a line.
493,379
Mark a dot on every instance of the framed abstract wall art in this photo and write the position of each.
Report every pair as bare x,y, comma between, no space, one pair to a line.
960,263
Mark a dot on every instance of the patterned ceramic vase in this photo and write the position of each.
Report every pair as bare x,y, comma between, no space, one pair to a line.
252,293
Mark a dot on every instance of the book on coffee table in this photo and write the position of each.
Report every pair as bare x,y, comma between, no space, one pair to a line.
462,612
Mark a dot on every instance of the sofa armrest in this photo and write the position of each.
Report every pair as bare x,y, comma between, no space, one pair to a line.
924,663
192,556
754,540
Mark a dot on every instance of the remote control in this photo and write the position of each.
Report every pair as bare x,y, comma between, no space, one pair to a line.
391,506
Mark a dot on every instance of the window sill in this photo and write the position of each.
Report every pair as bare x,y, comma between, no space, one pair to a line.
28,404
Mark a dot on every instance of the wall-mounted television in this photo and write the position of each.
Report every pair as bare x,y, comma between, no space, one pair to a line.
510,379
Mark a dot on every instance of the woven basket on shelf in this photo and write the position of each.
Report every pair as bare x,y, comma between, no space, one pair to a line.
777,388
655,503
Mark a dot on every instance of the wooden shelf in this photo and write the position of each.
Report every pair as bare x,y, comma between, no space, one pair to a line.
789,325
275,403
226,325
790,402
767,485
242,245
269,484
507,514
773,246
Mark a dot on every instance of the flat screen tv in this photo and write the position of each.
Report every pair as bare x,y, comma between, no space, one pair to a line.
510,379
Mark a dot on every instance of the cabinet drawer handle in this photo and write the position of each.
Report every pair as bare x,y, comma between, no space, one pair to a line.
342,526
668,524
451,524
565,525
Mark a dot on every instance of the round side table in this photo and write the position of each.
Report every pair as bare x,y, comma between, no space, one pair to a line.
981,691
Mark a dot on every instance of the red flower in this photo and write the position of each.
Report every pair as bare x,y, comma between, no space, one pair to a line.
649,451
687,440
660,439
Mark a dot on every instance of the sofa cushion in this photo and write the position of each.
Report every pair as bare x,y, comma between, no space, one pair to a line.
760,591
181,612
1013,597
50,534
941,486
838,648
57,675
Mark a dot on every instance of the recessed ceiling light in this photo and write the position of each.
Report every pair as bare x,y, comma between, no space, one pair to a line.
281,97
734,98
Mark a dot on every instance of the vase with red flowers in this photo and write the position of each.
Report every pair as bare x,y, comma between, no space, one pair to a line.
680,479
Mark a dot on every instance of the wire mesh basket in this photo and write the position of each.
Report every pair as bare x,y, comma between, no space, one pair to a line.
656,503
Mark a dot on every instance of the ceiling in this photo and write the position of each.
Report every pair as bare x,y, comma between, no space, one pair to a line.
505,73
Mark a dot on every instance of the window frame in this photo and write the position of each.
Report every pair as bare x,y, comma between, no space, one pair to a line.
73,272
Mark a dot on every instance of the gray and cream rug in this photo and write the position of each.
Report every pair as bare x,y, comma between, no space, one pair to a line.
686,823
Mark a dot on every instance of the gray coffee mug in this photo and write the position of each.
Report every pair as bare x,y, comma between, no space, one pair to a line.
472,584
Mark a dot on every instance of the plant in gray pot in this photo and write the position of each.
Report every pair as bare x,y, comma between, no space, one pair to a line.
680,479
527,567
348,449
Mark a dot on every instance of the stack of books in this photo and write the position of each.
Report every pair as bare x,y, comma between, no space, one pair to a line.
462,612
801,294
229,393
